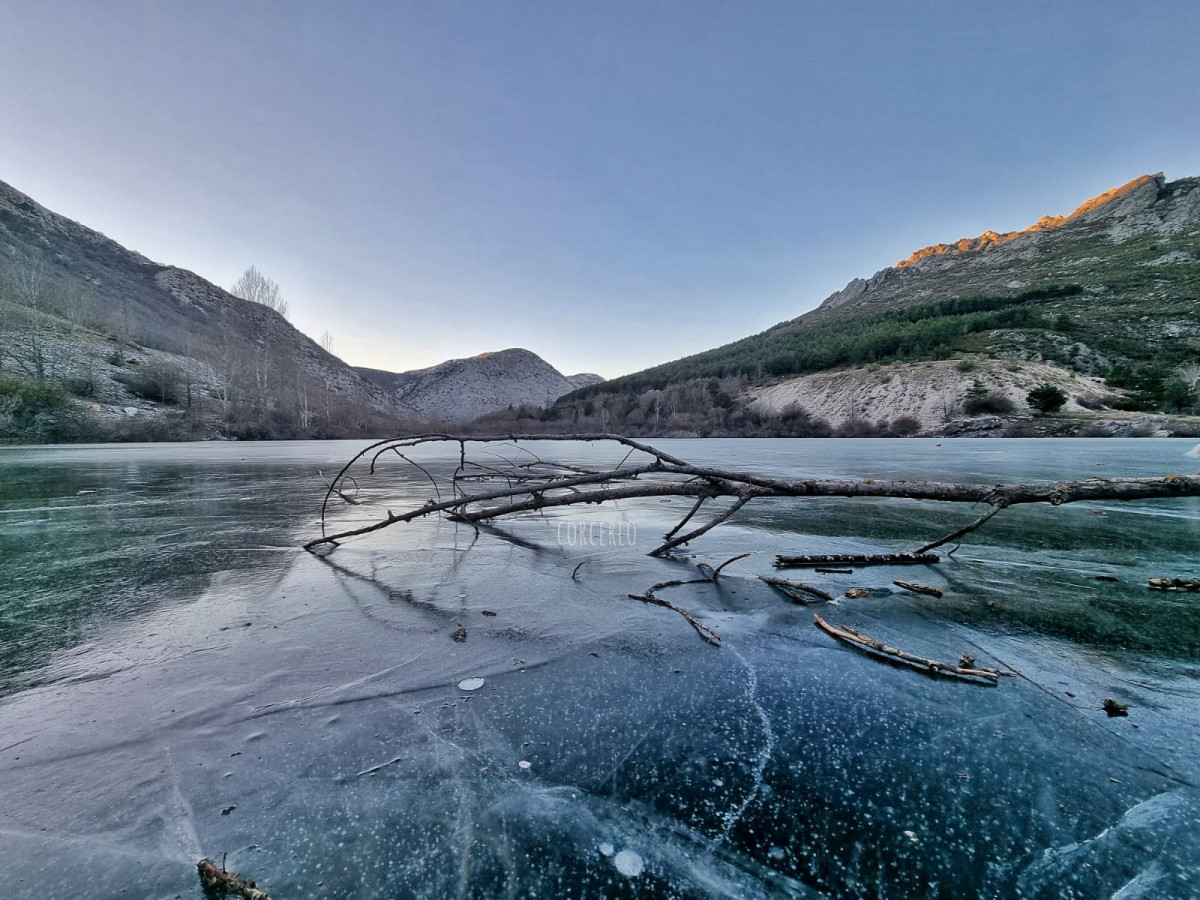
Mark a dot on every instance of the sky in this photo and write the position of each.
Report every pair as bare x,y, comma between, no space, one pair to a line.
609,184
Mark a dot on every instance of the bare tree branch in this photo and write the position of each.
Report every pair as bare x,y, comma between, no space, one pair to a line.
674,531
538,485
954,535
802,593
863,642
708,526
703,630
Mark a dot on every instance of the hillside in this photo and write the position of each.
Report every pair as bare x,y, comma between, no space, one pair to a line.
1108,297
464,389
99,342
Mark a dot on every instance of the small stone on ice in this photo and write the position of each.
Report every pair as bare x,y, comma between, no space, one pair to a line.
607,849
525,764
628,863
470,684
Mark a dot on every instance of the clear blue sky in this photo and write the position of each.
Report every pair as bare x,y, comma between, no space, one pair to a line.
610,184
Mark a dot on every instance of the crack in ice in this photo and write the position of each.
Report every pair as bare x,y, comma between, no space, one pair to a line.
734,814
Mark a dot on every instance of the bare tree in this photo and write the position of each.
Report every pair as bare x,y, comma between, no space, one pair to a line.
327,342
22,317
227,367
1189,375
304,410
258,288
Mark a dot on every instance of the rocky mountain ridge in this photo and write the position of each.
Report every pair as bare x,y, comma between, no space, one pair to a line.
464,389
1045,223
1143,211
1103,303
129,336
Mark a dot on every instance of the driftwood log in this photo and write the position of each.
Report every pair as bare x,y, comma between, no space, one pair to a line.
862,642
478,492
816,561
919,588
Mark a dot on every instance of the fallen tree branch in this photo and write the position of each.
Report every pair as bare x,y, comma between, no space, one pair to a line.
710,576
861,641
712,523
539,485
717,571
954,535
918,588
701,629
802,593
1174,584
340,493
695,509
857,559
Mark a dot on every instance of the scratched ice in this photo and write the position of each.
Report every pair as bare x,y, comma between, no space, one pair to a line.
179,682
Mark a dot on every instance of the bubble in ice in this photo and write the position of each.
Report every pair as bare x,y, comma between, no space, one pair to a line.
628,863
470,684
607,849
525,764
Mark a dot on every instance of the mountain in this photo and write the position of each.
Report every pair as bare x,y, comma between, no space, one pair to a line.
1146,224
1102,302
465,389
116,345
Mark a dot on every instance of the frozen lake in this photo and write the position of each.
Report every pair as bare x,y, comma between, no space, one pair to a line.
180,680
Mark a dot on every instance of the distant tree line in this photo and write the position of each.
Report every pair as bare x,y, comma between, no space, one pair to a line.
63,339
1158,374
923,331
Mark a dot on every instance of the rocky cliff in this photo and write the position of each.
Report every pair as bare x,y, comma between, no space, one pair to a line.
1148,222
464,389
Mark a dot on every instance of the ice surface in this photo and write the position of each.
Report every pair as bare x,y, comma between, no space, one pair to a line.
169,654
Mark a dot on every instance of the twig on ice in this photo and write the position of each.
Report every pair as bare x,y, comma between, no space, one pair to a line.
802,593
713,574
863,642
703,630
